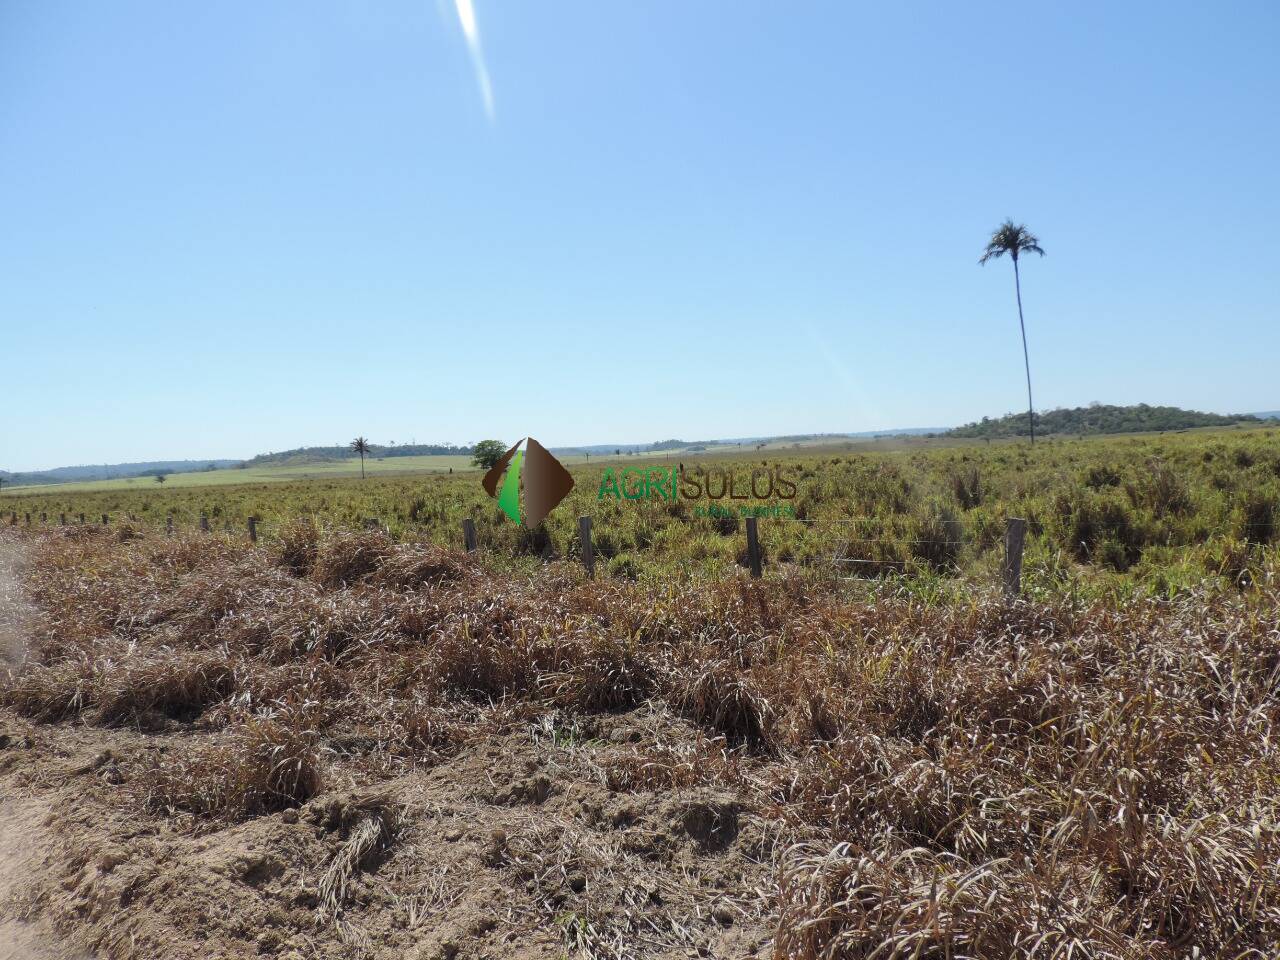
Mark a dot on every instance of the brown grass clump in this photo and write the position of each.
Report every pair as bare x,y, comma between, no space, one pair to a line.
702,761
412,566
297,546
54,692
270,766
714,692
604,673
163,682
419,730
125,685
347,558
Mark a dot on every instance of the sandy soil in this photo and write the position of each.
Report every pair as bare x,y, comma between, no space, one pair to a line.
22,833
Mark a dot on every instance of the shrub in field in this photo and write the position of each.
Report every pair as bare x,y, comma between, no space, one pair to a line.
419,728
966,487
535,542
1099,528
1256,520
124,685
1162,490
411,567
478,664
624,567
1100,475
936,538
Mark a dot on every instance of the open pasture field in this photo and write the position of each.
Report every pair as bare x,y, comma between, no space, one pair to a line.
349,468
1158,513
274,473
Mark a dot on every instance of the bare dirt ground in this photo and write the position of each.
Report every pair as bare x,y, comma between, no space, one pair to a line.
22,833
512,847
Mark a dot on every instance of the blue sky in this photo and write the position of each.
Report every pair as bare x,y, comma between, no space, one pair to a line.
235,227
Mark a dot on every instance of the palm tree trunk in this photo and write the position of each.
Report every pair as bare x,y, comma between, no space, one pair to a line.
1031,417
362,452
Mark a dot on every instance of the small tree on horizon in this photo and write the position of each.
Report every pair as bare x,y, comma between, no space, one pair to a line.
1013,239
486,453
161,478
361,446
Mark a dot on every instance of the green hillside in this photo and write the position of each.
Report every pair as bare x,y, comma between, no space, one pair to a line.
1098,419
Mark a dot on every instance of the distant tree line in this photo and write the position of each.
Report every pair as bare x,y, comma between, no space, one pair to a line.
344,452
1098,419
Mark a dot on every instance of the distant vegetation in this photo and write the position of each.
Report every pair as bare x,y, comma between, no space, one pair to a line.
1098,419
1161,513
375,451
487,453
112,471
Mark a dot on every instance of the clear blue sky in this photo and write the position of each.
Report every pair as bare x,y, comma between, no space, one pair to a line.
240,226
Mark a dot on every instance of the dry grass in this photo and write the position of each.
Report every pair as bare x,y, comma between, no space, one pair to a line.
368,828
269,766
969,779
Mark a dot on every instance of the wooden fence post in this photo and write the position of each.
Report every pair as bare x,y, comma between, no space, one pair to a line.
106,521
82,519
1015,532
204,523
27,518
753,547
44,517
62,519
253,529
588,548
469,534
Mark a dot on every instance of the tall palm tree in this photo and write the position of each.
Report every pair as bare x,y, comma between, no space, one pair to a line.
361,446
1013,239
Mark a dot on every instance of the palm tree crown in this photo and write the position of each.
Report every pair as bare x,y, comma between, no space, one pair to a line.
1013,239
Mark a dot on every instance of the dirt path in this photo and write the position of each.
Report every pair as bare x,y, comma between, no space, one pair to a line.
22,831
13,608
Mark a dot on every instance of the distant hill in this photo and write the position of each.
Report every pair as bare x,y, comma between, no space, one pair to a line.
302,455
1268,415
113,471
1099,419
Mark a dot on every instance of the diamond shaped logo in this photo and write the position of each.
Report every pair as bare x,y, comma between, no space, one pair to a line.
528,467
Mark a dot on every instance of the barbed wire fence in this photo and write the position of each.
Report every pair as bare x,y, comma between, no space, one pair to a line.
1014,538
